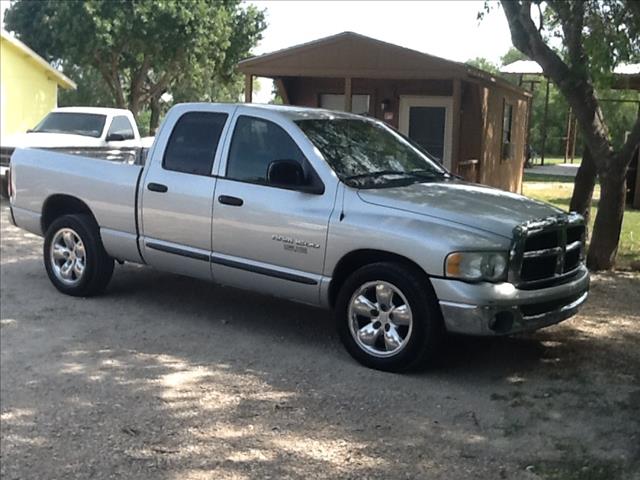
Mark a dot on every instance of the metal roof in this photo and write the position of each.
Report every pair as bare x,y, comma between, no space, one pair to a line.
523,67
627,69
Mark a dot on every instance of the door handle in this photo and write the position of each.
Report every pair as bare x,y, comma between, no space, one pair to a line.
157,187
233,201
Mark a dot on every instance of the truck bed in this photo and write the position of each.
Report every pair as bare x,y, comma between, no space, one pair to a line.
108,188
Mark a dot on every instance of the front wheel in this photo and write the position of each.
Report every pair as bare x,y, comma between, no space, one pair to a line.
74,256
388,317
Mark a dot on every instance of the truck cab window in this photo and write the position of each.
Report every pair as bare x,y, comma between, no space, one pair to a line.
256,143
193,143
121,126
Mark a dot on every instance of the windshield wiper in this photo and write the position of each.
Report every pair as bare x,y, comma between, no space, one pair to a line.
426,174
378,173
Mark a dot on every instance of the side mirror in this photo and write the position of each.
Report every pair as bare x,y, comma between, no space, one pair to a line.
289,174
285,173
115,137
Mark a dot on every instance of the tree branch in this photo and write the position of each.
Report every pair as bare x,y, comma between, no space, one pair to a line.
633,140
573,82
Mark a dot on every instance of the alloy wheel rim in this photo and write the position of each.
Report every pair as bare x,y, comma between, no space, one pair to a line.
68,256
380,319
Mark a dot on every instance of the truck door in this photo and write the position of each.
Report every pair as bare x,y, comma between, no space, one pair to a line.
272,239
177,191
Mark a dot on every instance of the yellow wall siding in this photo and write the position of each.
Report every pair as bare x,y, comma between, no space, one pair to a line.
28,93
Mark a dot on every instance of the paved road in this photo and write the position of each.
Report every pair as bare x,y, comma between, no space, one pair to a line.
166,377
561,169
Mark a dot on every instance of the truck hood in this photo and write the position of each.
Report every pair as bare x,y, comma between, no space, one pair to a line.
49,140
484,208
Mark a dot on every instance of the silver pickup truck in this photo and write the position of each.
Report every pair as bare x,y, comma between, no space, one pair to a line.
321,207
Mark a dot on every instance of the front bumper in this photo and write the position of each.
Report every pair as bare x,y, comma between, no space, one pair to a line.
502,309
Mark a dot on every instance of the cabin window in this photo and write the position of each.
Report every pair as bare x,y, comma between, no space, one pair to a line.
507,129
359,103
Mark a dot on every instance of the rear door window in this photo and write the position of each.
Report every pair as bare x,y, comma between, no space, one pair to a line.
193,143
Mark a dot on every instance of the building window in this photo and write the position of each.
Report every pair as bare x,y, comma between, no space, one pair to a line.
507,128
359,103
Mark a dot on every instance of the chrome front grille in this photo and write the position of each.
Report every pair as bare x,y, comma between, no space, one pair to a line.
547,252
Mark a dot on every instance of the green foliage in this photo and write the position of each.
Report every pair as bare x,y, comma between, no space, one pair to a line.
143,48
610,35
620,118
512,55
484,64
556,121
92,91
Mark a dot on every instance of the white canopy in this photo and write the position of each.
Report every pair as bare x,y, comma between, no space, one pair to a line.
529,67
523,67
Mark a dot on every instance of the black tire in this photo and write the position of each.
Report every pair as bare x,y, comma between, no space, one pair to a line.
98,265
4,187
427,331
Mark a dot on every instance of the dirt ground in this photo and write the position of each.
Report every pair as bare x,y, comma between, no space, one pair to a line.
166,377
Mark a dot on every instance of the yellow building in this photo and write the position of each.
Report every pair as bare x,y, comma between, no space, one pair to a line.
29,86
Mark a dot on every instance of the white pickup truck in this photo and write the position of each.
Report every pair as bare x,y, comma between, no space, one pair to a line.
326,208
93,131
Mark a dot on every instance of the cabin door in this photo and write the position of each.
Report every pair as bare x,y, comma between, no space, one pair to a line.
428,122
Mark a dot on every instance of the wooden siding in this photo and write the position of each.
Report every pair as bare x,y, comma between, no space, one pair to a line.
495,170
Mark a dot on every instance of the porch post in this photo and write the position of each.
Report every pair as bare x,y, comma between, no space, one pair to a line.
282,91
347,94
455,124
248,88
544,123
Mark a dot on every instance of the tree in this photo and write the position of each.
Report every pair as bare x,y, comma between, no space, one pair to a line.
141,48
512,55
484,64
595,37
91,91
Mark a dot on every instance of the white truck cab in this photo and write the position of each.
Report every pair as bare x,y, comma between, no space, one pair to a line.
75,128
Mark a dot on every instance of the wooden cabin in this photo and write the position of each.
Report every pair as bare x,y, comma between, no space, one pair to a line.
473,121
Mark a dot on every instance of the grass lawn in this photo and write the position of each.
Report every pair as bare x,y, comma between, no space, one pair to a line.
557,191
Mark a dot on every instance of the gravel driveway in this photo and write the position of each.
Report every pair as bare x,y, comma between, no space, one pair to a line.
165,377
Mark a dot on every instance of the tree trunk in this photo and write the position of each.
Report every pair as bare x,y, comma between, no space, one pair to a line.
584,184
606,230
134,105
154,120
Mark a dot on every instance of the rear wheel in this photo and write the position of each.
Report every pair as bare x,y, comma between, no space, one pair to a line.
74,256
388,318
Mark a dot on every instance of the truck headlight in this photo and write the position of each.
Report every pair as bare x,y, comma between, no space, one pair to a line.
476,266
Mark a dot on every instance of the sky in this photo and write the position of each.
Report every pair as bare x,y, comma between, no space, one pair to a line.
448,29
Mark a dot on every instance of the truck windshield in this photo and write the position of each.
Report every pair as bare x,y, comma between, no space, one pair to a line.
87,124
367,154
